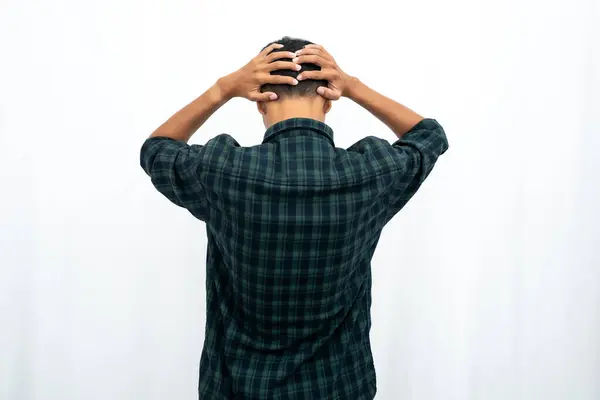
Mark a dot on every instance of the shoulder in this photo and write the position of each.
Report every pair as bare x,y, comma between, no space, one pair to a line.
372,147
223,139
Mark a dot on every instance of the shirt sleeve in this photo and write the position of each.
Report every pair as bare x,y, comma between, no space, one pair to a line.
413,158
175,168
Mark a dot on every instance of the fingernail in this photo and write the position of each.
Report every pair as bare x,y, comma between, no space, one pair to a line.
298,67
320,90
295,82
295,59
300,77
298,52
273,96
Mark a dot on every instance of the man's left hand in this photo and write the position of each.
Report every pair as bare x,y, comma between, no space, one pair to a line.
246,81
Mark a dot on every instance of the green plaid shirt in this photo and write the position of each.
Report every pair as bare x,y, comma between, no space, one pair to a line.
292,225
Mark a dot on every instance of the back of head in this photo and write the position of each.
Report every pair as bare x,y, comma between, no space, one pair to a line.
303,88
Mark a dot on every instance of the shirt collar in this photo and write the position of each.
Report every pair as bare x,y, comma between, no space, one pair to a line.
298,126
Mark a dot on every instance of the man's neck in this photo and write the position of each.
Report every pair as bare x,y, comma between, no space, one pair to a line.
291,108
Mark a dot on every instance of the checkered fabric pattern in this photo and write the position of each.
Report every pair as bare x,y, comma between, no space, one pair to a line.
292,226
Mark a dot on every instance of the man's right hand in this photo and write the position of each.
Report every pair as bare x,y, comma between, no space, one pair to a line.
397,117
339,81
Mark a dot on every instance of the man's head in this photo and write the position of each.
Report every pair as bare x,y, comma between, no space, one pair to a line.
301,100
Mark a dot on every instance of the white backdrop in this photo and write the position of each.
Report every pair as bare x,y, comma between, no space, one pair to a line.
486,286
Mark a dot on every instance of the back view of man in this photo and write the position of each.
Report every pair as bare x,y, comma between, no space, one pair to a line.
292,224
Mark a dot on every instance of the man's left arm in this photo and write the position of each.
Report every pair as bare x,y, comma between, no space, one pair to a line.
246,82
172,164
185,122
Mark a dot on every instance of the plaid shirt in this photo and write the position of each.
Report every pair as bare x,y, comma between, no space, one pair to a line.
292,225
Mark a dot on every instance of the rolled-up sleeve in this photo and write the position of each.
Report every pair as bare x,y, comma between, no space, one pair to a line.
175,169
415,155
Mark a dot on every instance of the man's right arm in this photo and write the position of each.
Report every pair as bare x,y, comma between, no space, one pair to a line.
420,141
398,118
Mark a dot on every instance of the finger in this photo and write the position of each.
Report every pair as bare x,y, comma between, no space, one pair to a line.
312,59
280,80
314,51
328,93
278,55
270,48
317,47
267,96
323,75
277,65
314,46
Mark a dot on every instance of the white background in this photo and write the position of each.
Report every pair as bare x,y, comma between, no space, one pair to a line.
486,286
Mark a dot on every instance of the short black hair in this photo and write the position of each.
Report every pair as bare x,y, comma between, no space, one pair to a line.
303,88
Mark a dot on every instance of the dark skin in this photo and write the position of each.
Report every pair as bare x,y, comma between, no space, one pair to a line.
247,81
339,81
398,118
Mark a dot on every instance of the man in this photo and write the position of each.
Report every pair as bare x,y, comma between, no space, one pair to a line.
292,224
